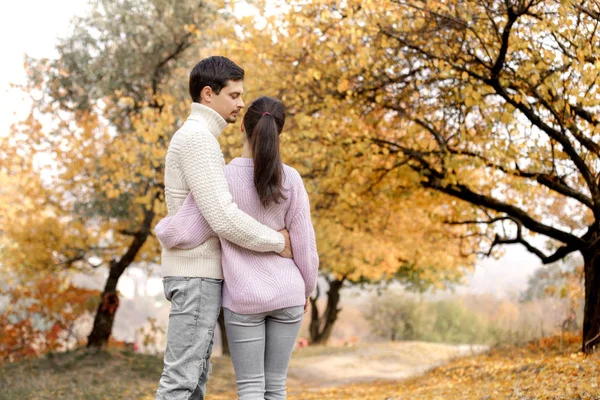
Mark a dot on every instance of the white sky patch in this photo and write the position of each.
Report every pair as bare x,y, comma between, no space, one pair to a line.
28,27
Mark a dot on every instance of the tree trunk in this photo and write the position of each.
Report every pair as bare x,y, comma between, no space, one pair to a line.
224,342
109,300
321,327
591,313
105,314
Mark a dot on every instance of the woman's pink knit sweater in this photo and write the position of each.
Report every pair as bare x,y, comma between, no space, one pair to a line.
255,282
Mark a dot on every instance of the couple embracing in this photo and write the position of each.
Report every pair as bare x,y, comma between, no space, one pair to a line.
237,236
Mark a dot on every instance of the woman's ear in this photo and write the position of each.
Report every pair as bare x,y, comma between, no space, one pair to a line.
206,95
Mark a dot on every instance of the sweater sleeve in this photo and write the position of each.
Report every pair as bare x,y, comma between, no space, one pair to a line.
184,230
304,245
202,165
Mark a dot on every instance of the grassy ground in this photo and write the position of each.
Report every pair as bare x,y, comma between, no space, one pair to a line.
81,374
549,371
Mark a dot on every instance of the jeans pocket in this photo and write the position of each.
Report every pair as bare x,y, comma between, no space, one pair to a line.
243,318
294,313
176,290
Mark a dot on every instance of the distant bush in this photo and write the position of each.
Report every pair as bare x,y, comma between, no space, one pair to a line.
454,323
395,317
469,319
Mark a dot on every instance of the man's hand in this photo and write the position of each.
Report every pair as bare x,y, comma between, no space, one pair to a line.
287,250
305,305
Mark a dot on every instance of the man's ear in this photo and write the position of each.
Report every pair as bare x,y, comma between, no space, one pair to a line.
206,94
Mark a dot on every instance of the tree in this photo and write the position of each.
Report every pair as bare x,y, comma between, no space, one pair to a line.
491,103
364,234
103,113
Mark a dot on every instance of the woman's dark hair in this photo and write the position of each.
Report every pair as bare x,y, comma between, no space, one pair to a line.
263,123
215,72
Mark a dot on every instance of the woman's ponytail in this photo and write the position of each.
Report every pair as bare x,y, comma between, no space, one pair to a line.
263,123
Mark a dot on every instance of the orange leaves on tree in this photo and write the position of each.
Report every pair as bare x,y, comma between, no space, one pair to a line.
40,316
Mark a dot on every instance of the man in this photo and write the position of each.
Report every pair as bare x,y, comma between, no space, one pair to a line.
193,277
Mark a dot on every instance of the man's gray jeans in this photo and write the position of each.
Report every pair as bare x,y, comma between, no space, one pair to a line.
261,346
195,307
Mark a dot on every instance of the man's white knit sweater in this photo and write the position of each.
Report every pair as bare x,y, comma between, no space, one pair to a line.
195,163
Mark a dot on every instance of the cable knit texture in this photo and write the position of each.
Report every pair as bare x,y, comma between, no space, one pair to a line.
255,282
194,164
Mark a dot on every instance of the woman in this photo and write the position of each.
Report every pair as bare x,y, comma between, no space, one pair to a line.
264,295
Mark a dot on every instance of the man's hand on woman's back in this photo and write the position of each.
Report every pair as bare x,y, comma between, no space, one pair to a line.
287,250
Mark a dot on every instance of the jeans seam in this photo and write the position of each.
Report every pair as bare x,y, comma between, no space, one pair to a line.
185,292
192,333
192,392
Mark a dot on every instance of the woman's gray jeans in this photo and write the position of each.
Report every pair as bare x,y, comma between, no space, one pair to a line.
261,346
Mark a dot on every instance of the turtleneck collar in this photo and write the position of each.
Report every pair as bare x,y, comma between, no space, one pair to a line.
206,115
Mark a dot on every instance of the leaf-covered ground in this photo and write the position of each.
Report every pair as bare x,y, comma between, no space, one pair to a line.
553,370
503,373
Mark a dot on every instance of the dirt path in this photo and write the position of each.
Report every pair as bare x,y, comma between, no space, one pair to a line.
318,368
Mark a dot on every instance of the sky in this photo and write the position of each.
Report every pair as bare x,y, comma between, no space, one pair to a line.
33,27
28,27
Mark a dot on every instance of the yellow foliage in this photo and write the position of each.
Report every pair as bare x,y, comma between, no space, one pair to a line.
63,220
367,228
385,97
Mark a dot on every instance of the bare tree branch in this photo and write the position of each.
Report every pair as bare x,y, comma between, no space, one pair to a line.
464,193
556,256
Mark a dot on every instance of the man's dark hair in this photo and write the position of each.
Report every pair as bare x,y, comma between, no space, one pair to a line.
214,72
